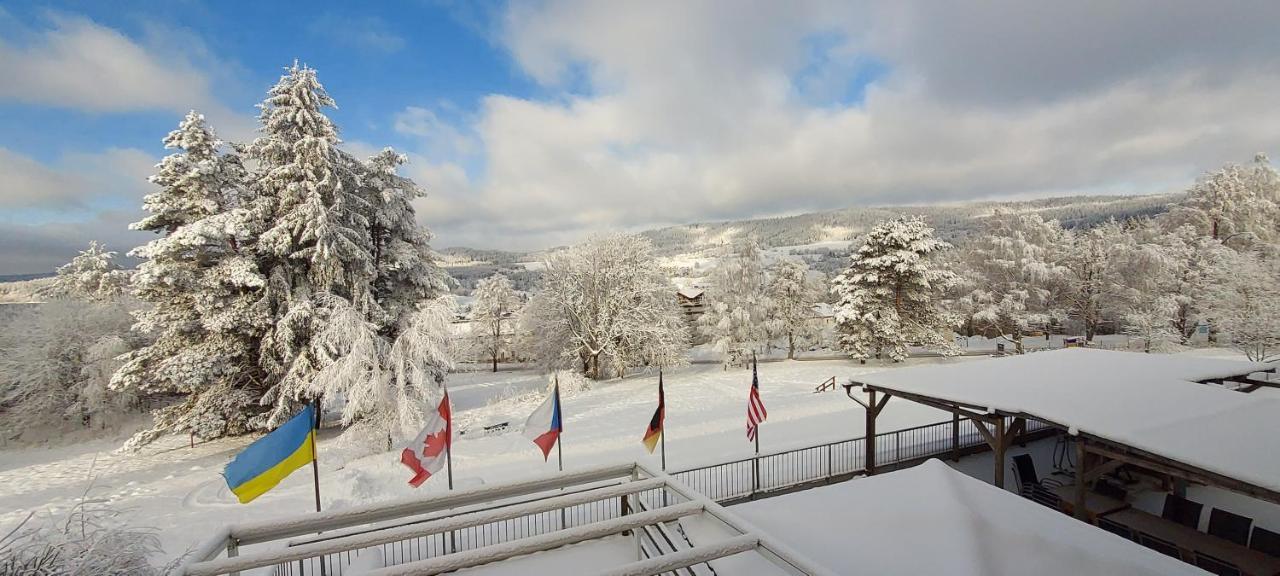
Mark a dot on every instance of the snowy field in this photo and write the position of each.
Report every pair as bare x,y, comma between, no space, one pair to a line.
178,490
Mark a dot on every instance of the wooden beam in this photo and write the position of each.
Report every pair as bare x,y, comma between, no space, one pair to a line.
1103,468
880,405
1163,465
1019,426
946,406
1001,445
1081,512
870,463
987,435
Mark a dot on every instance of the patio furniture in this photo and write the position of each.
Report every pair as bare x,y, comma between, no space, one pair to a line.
1229,526
1183,511
1095,505
1216,566
1251,562
1024,471
1159,545
1105,488
1114,528
1265,541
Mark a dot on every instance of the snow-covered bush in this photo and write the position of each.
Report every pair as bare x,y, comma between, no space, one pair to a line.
89,539
1246,303
891,293
55,361
604,306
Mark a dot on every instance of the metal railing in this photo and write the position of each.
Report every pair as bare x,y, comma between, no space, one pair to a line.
727,483
758,476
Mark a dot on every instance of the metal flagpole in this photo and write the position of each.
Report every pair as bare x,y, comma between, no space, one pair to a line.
559,437
662,438
448,460
755,462
315,461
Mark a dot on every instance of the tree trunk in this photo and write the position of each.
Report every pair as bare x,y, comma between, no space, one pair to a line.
791,346
495,362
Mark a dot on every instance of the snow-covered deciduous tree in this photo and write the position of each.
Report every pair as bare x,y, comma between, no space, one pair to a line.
92,275
737,302
89,538
890,296
384,384
54,360
605,306
496,304
1010,273
1244,296
1232,202
1088,284
1191,257
791,296
202,282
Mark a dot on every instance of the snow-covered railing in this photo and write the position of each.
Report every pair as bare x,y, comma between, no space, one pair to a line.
757,476
479,526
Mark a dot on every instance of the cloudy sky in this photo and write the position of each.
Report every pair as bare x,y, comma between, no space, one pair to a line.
533,123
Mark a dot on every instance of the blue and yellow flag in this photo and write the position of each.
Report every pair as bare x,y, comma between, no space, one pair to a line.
273,457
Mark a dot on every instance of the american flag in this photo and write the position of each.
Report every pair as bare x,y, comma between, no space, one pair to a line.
755,408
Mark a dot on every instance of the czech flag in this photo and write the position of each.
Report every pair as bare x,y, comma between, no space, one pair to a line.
654,433
428,452
543,426
273,457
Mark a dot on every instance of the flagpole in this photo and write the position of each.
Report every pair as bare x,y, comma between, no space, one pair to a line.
662,438
560,436
755,462
315,462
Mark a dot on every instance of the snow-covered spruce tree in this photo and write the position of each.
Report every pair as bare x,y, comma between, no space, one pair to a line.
737,303
316,241
201,280
605,306
358,306
405,274
1243,303
791,297
92,275
496,304
890,295
1010,274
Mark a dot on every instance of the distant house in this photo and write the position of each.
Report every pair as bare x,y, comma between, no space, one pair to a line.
693,302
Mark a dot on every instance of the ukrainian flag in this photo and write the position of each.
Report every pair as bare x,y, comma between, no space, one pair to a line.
273,457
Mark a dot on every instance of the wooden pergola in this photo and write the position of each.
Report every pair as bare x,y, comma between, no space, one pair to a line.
1097,453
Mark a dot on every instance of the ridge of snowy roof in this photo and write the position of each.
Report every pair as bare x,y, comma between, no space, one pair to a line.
1151,402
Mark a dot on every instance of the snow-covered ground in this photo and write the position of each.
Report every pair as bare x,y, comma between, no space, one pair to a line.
178,490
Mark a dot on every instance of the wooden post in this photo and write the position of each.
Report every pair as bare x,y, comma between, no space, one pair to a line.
955,436
1081,512
1001,445
871,433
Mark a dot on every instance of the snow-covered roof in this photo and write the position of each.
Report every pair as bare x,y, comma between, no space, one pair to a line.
931,519
1151,402
690,293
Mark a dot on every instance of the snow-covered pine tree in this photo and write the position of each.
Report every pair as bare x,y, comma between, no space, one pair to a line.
202,282
1010,274
791,297
604,306
316,249
890,295
737,305
91,275
496,304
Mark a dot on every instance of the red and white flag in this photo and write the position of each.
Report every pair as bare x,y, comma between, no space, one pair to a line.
755,407
429,450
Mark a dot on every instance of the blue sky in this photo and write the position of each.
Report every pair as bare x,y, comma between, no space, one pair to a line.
533,123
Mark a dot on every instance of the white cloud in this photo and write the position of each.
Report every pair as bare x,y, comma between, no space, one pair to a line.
668,112
25,183
368,33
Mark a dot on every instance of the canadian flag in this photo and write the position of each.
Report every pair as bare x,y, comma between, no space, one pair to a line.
428,451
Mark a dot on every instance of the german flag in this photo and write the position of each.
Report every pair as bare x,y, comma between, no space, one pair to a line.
654,433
